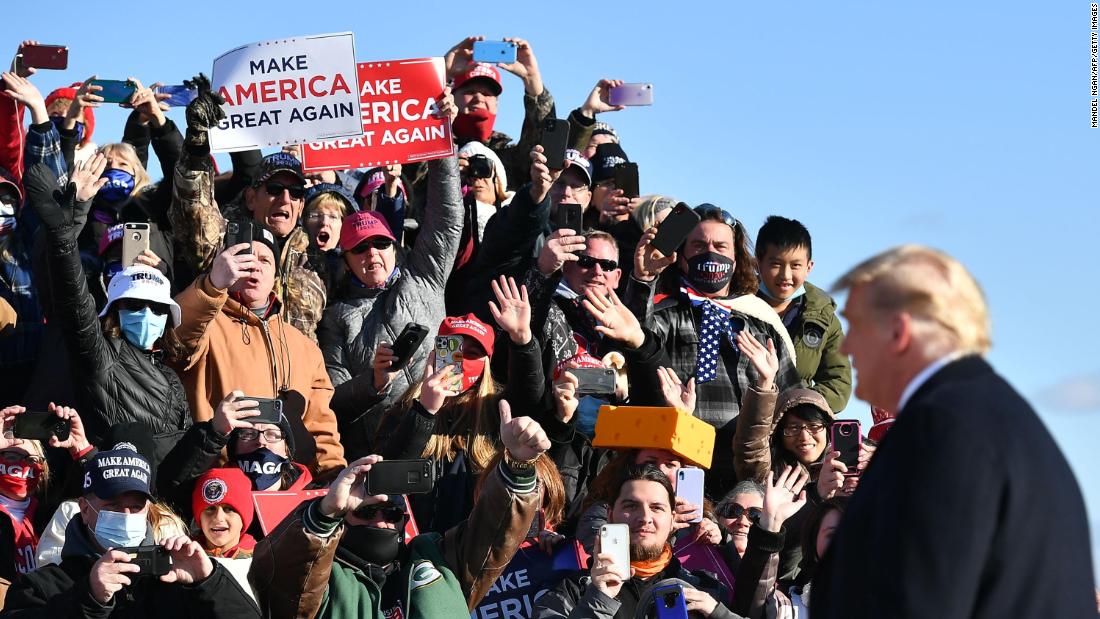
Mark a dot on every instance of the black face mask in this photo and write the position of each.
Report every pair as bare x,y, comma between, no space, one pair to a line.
709,272
371,544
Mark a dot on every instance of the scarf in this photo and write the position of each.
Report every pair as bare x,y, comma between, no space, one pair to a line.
648,569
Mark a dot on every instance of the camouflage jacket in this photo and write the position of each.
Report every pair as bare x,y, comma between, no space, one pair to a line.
199,228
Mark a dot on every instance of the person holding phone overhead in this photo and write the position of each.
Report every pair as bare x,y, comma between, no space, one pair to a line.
97,578
448,416
644,503
343,553
118,357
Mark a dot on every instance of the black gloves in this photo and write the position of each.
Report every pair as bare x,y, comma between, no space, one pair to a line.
63,223
202,114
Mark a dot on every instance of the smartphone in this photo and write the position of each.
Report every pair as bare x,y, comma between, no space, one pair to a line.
631,94
677,225
498,52
237,232
40,426
114,91
406,344
689,487
670,602
180,95
615,541
271,409
569,215
536,525
594,381
153,560
845,439
394,477
448,351
55,57
135,239
554,142
626,178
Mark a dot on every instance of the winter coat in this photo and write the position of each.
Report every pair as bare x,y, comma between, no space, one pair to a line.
295,575
353,327
817,339
199,228
231,348
63,591
755,591
576,598
115,381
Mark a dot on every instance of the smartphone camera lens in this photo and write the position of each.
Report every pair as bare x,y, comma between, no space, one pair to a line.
845,430
136,236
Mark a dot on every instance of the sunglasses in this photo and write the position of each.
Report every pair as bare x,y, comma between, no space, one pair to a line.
136,305
297,192
587,262
706,208
379,244
733,511
390,513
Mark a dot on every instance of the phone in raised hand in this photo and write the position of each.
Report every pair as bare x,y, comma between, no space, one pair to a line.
615,541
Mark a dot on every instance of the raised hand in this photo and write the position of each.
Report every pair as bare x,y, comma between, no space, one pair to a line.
783,497
765,360
205,111
190,564
565,395
148,258
88,177
525,67
78,439
560,247
145,101
349,490
85,97
109,575
678,395
458,58
23,91
616,321
445,108
615,205
7,417
17,65
607,576
648,261
383,359
599,100
683,514
438,386
523,437
512,311
233,413
230,266
542,177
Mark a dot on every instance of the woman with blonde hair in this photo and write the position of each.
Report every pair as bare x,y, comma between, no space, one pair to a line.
451,416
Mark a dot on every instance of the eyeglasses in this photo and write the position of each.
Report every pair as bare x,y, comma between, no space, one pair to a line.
585,261
379,244
390,513
733,511
813,428
271,435
297,192
706,207
136,305
326,216
15,457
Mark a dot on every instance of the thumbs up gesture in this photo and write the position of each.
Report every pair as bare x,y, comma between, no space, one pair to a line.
523,437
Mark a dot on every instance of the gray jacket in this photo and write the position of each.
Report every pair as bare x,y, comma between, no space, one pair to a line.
353,327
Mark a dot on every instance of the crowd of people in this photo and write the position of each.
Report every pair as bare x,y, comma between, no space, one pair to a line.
185,382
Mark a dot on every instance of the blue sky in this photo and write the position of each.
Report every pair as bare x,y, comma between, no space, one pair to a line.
964,126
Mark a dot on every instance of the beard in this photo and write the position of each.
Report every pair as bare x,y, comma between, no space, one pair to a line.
640,553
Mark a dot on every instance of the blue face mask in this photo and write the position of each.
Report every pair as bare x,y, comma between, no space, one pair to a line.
588,408
262,466
768,293
60,120
119,530
120,184
142,328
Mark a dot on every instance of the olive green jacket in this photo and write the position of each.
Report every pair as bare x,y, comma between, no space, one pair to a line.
817,338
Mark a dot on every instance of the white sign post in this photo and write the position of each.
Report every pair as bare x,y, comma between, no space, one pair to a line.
288,91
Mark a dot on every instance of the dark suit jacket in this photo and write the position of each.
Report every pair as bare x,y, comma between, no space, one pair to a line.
968,509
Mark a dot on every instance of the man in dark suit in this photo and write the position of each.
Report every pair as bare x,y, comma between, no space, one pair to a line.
968,508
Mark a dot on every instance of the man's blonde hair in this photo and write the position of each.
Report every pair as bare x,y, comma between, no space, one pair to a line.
945,301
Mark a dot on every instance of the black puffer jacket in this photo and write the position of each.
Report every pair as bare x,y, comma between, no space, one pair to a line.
114,381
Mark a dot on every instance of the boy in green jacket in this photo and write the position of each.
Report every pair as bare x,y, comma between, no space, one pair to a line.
785,256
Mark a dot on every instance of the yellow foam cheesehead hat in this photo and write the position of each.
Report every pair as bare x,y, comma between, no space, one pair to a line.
655,427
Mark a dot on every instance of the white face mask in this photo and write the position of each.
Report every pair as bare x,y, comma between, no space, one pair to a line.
119,530
7,218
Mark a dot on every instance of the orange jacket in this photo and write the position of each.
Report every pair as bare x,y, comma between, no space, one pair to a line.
232,349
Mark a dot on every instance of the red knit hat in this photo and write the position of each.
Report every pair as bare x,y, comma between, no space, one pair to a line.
225,486
89,113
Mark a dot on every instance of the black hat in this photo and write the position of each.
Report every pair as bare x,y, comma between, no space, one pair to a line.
113,472
279,162
607,158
